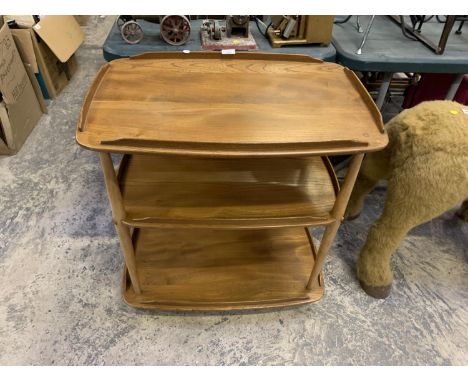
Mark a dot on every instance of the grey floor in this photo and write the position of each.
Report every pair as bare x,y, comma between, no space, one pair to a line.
60,269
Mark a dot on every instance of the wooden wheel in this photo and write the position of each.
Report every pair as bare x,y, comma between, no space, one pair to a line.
175,29
131,32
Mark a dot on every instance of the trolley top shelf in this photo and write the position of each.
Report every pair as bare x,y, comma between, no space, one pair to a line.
246,104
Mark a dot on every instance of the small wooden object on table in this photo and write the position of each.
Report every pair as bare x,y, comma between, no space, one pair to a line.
225,168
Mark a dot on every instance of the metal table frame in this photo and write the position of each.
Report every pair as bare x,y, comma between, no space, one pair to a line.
388,51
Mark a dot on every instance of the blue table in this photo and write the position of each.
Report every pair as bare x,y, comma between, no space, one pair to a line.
115,47
387,50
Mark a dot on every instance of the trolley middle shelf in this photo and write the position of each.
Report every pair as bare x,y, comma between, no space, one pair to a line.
226,193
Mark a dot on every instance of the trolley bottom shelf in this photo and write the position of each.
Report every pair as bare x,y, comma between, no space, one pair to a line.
212,270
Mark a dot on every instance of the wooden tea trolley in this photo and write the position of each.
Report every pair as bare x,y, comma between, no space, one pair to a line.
225,167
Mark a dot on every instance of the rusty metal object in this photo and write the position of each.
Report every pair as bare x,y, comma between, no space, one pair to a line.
175,29
213,28
213,36
237,25
131,32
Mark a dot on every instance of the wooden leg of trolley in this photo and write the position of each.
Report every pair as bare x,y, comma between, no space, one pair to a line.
337,213
118,214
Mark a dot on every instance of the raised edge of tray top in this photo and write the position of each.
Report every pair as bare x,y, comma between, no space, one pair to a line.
247,104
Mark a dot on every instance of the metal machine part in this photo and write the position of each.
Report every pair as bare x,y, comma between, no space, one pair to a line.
216,31
175,29
213,28
214,34
131,32
294,30
289,27
237,25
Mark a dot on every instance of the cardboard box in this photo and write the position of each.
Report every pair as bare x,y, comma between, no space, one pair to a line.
25,48
20,108
48,47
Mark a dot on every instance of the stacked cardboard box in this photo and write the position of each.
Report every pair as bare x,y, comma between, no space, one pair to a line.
49,46
20,107
36,61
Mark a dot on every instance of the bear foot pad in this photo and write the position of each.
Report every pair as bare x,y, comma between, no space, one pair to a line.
379,292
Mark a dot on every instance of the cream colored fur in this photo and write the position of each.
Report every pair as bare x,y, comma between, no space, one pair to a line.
426,166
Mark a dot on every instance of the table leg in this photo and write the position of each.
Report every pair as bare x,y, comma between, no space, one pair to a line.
383,89
118,213
358,24
454,87
337,213
364,38
449,23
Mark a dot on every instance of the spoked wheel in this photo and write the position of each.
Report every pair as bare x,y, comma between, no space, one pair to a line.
131,32
175,29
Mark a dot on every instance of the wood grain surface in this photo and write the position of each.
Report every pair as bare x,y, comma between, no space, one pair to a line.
222,270
169,191
212,104
219,221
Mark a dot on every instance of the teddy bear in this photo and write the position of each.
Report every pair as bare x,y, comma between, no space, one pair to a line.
426,168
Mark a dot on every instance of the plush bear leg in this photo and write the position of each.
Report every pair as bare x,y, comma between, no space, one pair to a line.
362,187
373,169
420,190
463,212
385,235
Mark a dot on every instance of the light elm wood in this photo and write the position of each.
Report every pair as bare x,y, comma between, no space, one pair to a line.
202,269
225,167
247,104
118,214
244,193
337,213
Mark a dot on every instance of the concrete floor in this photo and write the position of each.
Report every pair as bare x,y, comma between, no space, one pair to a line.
60,270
